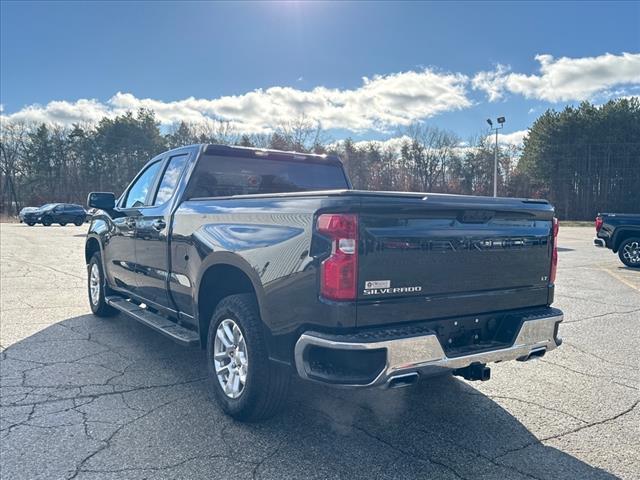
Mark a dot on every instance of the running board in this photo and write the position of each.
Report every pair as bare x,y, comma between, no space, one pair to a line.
170,329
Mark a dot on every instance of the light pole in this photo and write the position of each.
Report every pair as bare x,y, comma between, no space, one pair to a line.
501,121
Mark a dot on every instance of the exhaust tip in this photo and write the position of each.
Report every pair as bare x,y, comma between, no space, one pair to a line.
539,353
400,381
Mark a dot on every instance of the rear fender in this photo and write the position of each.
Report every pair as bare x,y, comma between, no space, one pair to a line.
236,261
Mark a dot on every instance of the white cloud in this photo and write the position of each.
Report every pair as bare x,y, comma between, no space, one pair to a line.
493,82
380,103
392,144
563,79
513,138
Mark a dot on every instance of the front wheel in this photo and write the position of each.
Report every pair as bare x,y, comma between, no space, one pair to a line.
31,224
97,287
63,224
629,252
244,382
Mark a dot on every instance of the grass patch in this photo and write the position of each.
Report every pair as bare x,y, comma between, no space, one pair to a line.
576,223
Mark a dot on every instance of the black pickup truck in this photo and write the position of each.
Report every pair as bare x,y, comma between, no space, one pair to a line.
274,265
620,232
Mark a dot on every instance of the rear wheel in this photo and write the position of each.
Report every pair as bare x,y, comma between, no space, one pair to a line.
78,222
97,287
46,221
244,382
62,224
31,224
629,252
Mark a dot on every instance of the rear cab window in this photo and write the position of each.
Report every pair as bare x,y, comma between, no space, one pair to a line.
170,178
225,176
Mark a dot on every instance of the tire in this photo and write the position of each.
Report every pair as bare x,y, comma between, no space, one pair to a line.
266,383
31,224
629,252
63,224
46,221
78,222
99,306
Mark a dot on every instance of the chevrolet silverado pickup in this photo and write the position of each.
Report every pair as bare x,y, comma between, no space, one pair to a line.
620,232
275,266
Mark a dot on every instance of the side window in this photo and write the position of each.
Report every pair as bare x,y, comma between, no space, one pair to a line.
139,190
170,178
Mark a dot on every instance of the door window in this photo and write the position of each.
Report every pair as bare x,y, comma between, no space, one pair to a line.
170,178
140,189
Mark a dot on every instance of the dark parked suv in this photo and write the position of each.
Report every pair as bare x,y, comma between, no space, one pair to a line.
50,213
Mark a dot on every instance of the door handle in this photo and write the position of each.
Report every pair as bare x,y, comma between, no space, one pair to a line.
159,224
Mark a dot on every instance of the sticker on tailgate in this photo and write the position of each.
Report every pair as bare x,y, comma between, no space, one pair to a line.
383,287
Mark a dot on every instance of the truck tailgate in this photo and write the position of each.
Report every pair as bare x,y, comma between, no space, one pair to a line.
434,256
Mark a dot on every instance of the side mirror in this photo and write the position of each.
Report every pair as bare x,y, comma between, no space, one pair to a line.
101,200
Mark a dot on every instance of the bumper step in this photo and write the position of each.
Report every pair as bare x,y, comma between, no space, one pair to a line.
170,329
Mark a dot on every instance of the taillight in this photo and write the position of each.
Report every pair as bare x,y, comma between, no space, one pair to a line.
554,255
599,222
339,272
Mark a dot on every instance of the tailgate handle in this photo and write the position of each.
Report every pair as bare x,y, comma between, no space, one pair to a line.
475,216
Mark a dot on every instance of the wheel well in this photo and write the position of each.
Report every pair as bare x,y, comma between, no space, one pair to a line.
218,281
623,235
90,248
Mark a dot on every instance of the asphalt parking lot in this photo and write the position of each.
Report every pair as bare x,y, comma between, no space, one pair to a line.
89,398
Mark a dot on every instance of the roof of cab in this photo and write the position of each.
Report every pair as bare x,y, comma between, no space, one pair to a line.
216,149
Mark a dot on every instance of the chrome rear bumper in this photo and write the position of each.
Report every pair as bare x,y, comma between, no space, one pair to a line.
599,242
424,354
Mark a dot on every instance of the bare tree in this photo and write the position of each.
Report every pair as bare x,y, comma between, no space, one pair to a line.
12,145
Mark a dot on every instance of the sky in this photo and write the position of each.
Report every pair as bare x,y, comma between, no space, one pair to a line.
362,70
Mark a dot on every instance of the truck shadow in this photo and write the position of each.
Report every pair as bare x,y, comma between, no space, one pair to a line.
130,386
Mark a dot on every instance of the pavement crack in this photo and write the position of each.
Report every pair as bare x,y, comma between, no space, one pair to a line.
529,402
389,444
592,300
49,267
594,424
117,392
603,359
569,432
107,442
578,320
150,468
609,378
255,471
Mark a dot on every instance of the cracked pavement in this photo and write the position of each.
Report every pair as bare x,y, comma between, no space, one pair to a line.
89,398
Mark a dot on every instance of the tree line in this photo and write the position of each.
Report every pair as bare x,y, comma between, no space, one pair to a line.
584,159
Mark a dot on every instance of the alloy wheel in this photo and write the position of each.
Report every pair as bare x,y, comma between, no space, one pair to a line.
230,358
631,252
94,284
